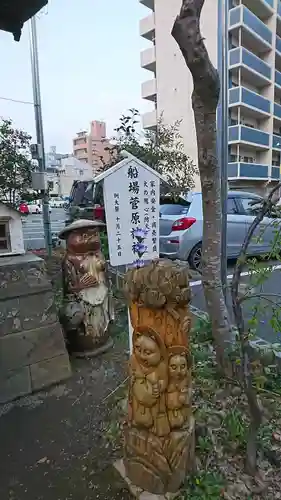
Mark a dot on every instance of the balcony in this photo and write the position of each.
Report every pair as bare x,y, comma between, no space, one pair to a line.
276,142
254,33
148,3
249,136
279,16
278,83
275,173
253,69
277,78
278,44
278,52
254,104
262,8
147,27
149,90
240,170
149,120
277,112
148,59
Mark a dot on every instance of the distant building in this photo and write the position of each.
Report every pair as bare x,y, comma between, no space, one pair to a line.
52,159
90,147
62,170
71,170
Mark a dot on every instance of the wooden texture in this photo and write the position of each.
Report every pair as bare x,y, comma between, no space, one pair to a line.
87,310
159,434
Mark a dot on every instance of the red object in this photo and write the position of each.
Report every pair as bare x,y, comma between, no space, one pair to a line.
99,213
184,223
23,208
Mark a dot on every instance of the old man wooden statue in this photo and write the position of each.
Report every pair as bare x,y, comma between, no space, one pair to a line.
87,309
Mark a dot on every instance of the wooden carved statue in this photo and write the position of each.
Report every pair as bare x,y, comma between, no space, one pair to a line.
159,434
87,310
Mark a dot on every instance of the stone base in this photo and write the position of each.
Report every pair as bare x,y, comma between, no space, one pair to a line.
96,352
138,492
33,355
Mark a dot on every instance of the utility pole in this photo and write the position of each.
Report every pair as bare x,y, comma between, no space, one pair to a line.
223,130
39,133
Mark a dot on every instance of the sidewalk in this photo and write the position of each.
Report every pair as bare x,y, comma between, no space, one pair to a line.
54,445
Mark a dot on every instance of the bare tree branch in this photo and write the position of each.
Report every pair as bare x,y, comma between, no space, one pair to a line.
263,295
254,406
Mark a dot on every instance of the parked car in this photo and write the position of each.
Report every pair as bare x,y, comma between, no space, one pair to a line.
23,208
181,228
57,203
35,207
85,201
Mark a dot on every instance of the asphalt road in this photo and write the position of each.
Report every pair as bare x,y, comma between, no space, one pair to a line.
272,285
265,299
33,231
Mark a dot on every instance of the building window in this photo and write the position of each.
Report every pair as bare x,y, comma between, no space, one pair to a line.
250,125
79,141
231,206
248,159
5,244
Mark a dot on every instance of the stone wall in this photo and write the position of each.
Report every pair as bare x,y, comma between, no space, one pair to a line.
32,347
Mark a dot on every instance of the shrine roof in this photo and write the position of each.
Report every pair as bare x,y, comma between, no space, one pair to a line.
128,158
14,13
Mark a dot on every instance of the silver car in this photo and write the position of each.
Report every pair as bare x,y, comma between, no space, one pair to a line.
181,228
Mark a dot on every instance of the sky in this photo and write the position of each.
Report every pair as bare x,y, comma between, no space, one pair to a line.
89,60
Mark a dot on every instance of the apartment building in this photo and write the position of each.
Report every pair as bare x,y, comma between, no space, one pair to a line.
60,177
90,147
71,170
52,159
254,94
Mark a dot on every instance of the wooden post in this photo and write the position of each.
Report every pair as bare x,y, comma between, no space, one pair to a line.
159,434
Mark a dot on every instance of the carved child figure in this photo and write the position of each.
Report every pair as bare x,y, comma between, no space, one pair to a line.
178,395
149,380
159,432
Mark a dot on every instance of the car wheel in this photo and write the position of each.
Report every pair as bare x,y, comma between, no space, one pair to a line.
195,257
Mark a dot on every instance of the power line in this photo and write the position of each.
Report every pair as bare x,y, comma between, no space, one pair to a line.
16,100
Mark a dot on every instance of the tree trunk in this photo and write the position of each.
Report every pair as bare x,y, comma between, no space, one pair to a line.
205,96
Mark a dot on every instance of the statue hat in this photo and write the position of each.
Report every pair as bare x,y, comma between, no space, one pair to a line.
79,224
